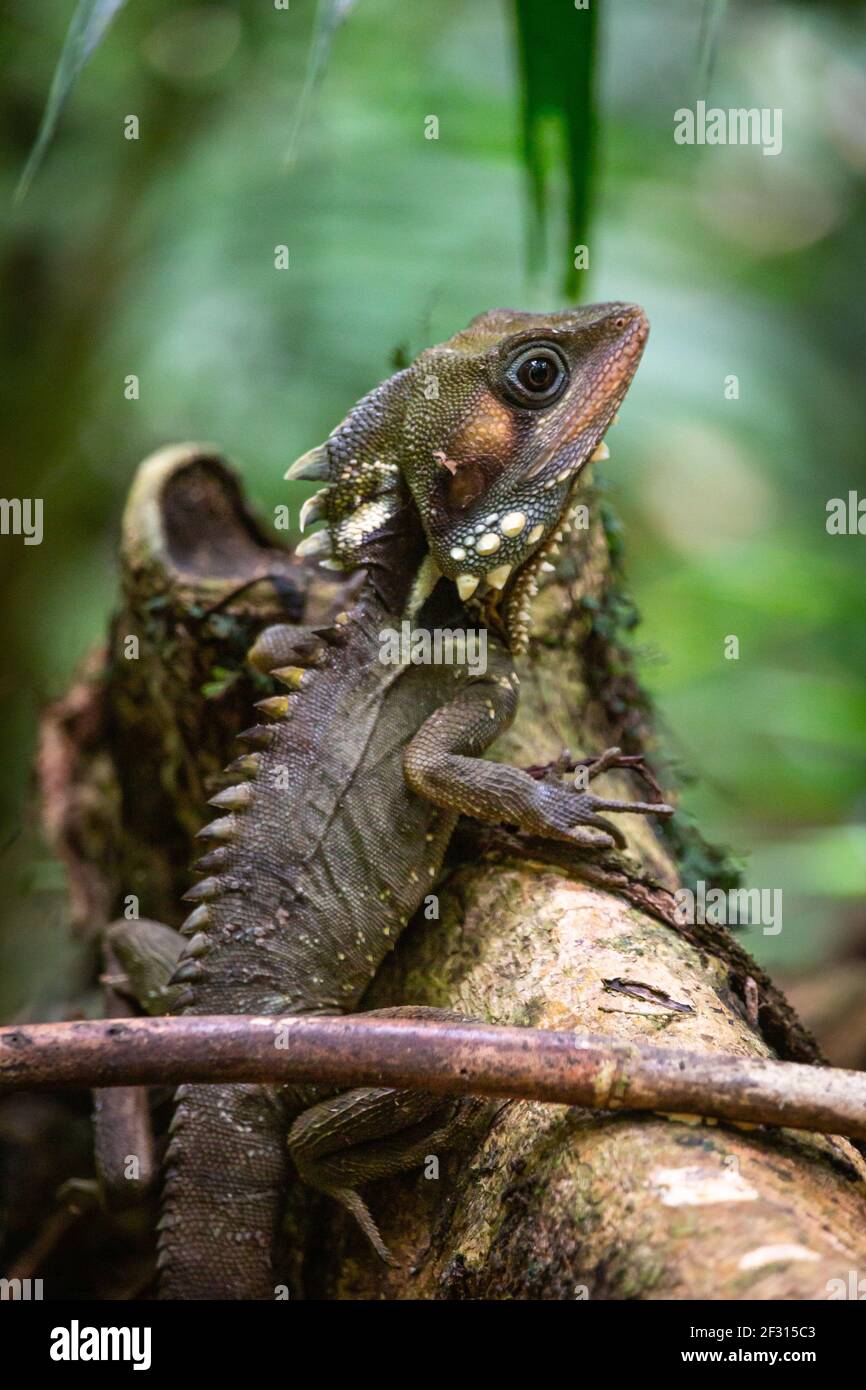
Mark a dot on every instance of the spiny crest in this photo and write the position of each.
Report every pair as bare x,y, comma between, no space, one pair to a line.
358,464
257,736
273,646
518,607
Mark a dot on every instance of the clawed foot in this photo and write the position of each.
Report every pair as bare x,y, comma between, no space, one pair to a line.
590,828
590,805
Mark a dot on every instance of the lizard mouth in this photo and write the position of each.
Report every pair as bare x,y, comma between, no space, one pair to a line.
506,539
504,597
508,607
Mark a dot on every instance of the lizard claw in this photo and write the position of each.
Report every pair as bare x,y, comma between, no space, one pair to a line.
588,806
636,808
595,837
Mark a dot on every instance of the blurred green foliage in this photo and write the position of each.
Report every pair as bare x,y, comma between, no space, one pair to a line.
89,23
156,257
558,51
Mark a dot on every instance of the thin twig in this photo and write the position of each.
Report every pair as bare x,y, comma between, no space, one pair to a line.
445,1058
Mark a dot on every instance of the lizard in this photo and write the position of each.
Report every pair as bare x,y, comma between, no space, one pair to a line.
447,487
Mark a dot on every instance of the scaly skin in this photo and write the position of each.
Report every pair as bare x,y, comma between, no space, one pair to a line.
458,469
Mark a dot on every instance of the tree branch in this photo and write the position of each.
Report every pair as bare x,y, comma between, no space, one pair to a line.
445,1058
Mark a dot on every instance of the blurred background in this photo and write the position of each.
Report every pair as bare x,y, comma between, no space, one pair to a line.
307,127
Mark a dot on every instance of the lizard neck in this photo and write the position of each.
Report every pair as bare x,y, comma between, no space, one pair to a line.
403,582
394,560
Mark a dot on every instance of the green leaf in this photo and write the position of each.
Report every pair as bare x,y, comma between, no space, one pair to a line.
712,14
556,47
221,681
330,14
88,24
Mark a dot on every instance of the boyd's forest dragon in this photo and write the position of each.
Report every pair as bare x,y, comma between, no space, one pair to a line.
446,488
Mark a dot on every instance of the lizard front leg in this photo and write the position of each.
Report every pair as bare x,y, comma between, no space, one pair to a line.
443,763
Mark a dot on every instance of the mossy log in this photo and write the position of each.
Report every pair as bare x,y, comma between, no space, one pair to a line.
548,1202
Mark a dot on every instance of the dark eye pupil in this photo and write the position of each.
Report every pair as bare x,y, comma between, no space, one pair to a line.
538,374
535,376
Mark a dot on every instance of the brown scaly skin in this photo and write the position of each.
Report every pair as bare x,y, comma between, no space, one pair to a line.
447,485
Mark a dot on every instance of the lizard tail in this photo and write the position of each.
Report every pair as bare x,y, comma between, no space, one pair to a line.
357,1207
226,1170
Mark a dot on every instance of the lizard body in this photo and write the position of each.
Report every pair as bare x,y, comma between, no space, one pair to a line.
446,486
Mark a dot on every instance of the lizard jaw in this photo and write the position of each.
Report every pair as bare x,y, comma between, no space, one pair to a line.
511,611
518,575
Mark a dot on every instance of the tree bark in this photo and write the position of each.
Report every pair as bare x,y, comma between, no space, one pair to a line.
549,1202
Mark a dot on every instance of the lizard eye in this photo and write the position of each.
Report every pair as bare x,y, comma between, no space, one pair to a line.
536,375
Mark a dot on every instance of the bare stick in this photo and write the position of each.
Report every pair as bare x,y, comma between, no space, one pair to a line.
444,1058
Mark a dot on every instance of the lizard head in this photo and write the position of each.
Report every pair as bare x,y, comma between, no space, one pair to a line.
490,431
524,403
